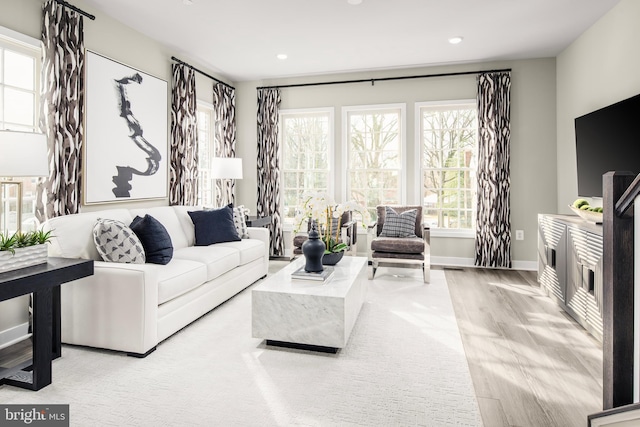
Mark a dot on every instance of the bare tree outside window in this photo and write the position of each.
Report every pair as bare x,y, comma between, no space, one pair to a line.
449,162
375,157
306,149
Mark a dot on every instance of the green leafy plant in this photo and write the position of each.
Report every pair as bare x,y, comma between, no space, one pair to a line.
8,242
11,242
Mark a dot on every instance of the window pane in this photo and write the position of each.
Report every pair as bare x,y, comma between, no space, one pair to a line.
19,70
374,157
18,100
449,151
305,140
206,151
19,106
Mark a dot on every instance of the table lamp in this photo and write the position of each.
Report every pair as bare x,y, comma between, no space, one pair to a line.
22,154
226,168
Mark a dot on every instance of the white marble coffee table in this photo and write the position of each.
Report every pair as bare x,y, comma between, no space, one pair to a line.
309,314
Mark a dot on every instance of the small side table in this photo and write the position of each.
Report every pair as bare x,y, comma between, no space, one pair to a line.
255,221
44,281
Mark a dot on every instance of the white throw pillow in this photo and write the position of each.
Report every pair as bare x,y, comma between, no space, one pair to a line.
116,242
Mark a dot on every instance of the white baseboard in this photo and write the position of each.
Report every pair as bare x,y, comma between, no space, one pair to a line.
468,262
13,335
525,265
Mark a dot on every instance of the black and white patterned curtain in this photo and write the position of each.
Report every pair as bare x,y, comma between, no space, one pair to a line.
269,165
493,225
62,110
224,104
183,163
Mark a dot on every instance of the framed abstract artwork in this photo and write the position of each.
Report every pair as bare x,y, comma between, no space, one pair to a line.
126,135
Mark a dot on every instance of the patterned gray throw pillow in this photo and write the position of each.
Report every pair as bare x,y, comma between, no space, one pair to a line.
116,242
399,225
239,213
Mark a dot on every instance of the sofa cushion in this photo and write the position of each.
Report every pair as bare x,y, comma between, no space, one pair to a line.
168,217
179,277
187,225
116,242
409,245
73,234
214,226
249,249
155,239
217,258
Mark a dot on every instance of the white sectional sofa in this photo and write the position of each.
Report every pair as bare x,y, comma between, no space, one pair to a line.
133,307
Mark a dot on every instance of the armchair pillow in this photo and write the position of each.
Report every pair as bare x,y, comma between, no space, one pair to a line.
399,225
155,239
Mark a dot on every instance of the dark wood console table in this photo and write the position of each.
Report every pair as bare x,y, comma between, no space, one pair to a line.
258,221
44,282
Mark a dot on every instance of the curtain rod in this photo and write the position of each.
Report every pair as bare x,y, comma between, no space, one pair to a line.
173,58
381,79
72,7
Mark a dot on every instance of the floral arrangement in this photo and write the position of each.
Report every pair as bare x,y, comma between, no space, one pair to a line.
321,209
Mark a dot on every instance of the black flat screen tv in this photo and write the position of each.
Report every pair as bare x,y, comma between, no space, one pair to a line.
607,139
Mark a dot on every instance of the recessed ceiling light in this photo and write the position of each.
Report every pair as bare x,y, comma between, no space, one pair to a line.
354,2
281,56
455,40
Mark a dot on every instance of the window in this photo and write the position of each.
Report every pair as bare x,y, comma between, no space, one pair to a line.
307,147
19,105
206,150
449,146
374,147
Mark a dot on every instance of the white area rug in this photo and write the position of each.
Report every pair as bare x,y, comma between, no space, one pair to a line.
404,366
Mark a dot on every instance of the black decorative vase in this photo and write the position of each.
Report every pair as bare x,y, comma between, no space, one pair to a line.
313,250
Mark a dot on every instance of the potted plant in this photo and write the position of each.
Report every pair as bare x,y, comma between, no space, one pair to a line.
322,209
20,250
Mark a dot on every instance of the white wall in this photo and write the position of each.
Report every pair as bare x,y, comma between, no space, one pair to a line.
600,68
533,139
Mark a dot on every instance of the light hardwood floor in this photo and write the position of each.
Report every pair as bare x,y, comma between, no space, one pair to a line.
531,364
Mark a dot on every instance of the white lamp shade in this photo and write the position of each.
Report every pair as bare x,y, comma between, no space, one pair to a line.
226,168
23,154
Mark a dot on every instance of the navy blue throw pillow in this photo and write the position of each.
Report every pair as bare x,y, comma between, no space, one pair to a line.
154,238
214,226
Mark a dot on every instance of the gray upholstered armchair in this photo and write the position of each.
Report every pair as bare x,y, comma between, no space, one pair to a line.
399,237
348,235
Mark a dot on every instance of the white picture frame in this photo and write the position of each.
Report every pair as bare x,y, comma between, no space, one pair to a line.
126,133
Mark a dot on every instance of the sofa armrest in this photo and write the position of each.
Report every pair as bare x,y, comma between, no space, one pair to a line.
116,308
261,233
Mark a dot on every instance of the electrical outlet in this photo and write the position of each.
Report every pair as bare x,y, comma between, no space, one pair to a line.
519,234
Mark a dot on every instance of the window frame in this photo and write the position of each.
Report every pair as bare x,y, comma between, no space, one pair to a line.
210,109
28,46
402,107
24,45
330,149
436,232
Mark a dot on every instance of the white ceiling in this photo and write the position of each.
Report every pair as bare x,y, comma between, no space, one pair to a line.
240,38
